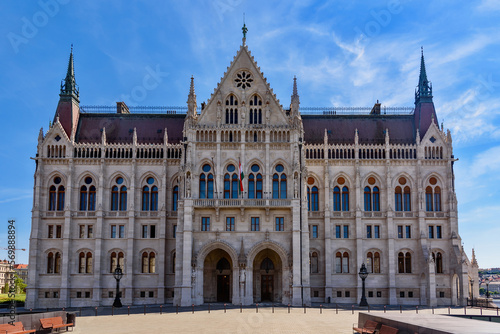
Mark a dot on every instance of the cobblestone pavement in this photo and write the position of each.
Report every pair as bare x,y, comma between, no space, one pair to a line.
248,321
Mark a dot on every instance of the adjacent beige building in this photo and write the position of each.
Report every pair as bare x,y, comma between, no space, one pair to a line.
243,201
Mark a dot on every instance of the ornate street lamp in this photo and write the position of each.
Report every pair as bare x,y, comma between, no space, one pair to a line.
118,274
363,274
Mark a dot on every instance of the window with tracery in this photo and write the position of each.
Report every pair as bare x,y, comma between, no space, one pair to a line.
255,182
404,262
148,262
53,263
85,263
255,116
438,262
341,196
231,182
373,262
56,195
87,195
231,110
279,182
115,259
372,196
433,196
206,182
402,196
119,195
342,262
312,195
175,198
150,195
243,79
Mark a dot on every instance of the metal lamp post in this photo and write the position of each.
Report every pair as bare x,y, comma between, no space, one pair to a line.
118,274
363,274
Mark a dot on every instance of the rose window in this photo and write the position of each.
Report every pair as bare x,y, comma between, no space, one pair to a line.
243,79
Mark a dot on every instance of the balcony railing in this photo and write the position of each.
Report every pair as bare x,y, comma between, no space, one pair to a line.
238,202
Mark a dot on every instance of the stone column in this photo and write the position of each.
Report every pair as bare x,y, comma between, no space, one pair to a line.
187,250
64,292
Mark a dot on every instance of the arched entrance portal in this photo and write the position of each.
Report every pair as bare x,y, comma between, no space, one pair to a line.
268,277
217,273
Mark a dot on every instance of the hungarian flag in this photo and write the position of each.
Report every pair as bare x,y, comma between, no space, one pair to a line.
241,177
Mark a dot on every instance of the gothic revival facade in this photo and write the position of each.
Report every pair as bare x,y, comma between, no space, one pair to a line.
245,201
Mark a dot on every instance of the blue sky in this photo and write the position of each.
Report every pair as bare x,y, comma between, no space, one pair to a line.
344,53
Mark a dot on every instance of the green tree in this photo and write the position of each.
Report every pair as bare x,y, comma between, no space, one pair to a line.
20,285
6,287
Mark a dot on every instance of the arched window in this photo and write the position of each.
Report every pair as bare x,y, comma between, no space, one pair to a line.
85,265
342,262
231,110
255,182
368,199
345,198
433,196
60,198
52,198
373,262
336,198
372,196
56,195
50,263
116,258
206,182
407,199
279,182
314,263
398,199
87,195
83,198
408,263
312,195
148,262
175,198
119,195
150,197
369,262
255,110
231,182
438,260
341,199
57,263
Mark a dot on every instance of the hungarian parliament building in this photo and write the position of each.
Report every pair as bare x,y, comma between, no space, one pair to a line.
241,200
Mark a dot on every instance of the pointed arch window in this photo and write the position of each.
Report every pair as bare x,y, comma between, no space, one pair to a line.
148,262
368,199
345,198
312,195
438,262
231,110
53,263
175,198
85,265
404,262
52,198
206,182
372,198
116,258
402,196
255,110
373,262
60,198
119,195
231,182
150,195
433,196
56,195
336,198
87,195
255,182
341,195
342,262
279,182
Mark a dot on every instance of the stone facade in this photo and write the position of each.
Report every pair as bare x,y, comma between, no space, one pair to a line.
160,195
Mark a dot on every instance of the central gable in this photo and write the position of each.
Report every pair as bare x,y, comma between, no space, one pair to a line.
243,96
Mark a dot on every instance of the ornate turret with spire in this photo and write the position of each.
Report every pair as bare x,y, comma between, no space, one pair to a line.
191,100
423,92
295,100
69,87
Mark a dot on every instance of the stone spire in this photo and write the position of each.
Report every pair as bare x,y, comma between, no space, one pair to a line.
191,99
69,87
474,260
423,92
295,101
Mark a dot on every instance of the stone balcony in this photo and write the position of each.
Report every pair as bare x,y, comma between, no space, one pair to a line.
241,203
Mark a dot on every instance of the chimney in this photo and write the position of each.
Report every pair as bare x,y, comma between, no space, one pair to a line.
121,108
375,109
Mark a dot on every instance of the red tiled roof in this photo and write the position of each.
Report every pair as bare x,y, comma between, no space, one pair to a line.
20,266
371,128
119,127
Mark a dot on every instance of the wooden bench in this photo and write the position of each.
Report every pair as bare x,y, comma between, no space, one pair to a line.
16,328
388,330
54,323
368,328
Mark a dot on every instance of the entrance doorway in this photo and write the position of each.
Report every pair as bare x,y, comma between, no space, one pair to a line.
223,288
266,285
